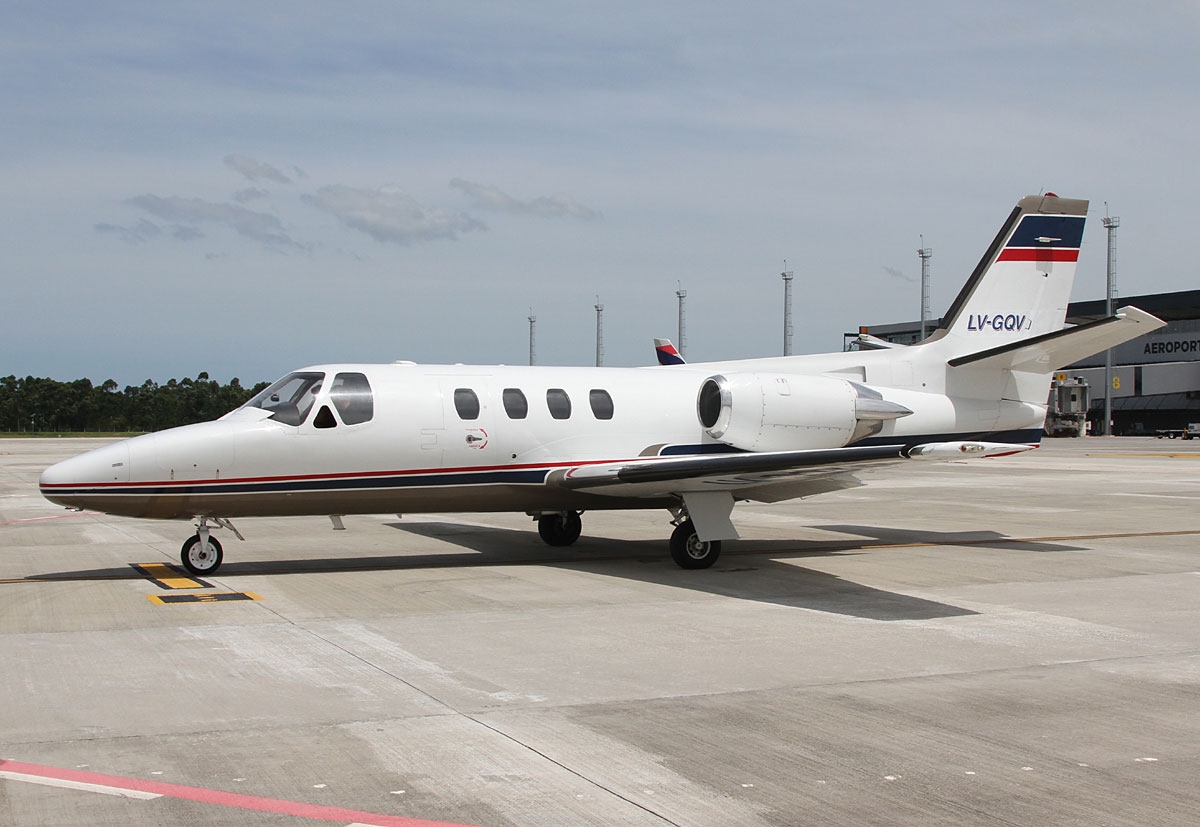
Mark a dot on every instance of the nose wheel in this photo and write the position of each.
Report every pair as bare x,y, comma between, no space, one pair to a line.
201,555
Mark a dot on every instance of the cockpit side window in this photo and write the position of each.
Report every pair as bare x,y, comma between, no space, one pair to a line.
351,395
291,398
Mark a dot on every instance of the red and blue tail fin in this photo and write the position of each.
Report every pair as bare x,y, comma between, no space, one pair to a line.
667,354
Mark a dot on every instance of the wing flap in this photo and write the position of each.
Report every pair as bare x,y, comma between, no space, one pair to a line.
745,466
764,477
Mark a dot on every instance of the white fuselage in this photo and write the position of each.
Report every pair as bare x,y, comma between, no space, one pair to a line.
417,452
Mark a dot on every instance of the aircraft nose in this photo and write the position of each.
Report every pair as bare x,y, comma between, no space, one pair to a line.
65,482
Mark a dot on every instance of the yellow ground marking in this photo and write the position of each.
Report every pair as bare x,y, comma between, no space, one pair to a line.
211,597
166,577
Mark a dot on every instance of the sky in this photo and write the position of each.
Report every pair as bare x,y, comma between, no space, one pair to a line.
247,188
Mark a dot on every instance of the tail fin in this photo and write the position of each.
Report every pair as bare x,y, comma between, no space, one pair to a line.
667,354
1021,286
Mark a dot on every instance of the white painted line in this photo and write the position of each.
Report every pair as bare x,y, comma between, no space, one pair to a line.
77,785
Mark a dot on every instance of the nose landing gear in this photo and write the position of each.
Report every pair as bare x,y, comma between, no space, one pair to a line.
201,553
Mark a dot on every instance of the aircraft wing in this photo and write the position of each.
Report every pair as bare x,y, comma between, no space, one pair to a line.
763,477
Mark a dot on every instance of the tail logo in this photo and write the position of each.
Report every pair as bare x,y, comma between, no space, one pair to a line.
999,322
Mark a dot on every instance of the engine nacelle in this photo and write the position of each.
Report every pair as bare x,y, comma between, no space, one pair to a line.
787,412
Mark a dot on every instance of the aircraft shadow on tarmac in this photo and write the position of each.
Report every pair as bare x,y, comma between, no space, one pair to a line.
760,579
748,570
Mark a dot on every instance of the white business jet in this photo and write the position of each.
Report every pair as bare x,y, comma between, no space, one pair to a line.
554,442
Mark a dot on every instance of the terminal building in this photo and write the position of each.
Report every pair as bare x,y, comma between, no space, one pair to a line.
1155,378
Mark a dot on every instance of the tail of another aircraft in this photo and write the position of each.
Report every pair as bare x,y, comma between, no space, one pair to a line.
667,354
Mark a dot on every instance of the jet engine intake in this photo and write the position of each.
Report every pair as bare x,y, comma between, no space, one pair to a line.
785,412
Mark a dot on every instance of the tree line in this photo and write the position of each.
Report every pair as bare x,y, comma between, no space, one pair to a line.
35,404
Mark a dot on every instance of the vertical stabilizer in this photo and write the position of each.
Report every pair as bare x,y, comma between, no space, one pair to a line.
667,354
1021,286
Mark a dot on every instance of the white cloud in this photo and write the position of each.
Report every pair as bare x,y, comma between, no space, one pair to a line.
191,212
390,215
255,170
249,194
555,206
139,233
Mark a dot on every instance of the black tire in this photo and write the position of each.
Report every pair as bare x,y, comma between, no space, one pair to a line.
199,561
689,551
560,529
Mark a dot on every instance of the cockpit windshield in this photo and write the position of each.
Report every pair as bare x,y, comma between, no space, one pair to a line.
291,398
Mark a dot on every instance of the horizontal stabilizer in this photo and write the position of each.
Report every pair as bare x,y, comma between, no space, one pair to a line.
1051,351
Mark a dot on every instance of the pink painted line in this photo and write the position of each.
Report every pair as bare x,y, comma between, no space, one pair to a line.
244,802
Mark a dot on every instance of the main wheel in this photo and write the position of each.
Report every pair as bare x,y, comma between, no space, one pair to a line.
689,551
201,559
560,529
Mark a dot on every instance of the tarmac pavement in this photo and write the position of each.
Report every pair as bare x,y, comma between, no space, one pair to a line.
991,642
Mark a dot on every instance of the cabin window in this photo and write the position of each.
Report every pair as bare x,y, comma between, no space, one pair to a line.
515,403
559,403
291,398
602,404
466,403
351,395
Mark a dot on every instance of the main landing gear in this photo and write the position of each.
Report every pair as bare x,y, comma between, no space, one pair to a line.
201,553
562,528
559,528
689,551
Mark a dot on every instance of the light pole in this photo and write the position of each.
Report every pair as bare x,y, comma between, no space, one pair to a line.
681,345
1110,224
532,338
925,253
787,309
